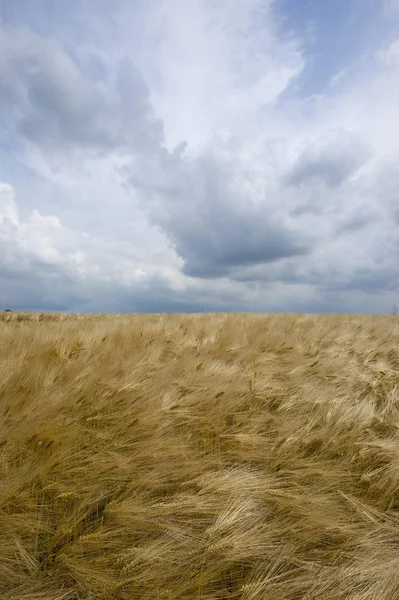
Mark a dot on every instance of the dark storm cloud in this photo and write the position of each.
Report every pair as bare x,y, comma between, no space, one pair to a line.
212,224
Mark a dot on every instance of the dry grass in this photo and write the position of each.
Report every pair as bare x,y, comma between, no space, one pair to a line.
199,457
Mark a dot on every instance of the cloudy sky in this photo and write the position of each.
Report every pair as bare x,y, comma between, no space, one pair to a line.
191,155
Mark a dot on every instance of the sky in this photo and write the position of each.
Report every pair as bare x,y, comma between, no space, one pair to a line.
199,155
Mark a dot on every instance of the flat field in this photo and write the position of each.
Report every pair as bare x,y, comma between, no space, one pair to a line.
205,457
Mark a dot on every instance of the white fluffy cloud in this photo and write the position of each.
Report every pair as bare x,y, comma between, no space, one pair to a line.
161,159
55,257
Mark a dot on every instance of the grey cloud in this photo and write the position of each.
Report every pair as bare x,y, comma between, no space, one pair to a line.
62,294
217,247
54,105
44,288
65,295
51,103
207,220
355,223
30,283
349,276
43,91
386,188
33,286
143,131
330,161
371,278
371,281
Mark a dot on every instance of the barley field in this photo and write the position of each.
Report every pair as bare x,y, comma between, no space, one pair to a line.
205,457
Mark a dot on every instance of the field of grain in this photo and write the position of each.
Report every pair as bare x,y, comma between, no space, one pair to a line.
205,457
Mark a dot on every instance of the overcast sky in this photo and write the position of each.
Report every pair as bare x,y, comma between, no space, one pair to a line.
191,155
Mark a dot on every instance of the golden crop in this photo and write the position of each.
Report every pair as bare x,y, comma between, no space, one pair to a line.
204,457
